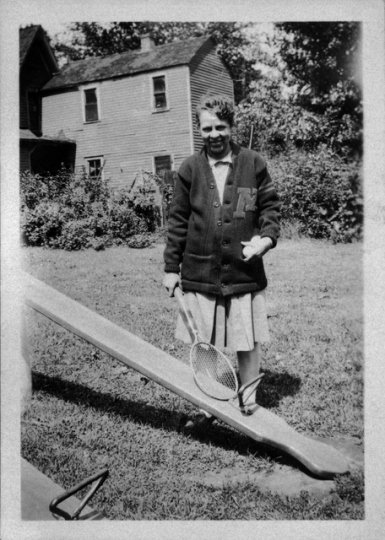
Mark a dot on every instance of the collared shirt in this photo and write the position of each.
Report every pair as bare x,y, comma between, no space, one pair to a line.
220,168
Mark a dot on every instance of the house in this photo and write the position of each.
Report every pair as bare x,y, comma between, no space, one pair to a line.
38,153
133,111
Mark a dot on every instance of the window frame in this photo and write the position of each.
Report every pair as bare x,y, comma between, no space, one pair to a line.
152,84
94,158
171,156
83,90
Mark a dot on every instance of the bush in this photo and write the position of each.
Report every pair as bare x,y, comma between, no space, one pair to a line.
42,225
320,193
72,212
76,235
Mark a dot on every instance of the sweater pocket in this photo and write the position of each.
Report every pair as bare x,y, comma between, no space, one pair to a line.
196,268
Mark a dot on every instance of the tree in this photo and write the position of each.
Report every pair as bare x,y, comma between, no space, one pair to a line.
320,57
323,61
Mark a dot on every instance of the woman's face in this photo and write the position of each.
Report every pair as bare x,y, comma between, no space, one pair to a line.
215,134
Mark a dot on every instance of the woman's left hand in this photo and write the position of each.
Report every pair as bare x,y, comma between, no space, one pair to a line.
257,247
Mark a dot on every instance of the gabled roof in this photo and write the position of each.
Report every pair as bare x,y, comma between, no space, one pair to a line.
127,63
26,38
30,35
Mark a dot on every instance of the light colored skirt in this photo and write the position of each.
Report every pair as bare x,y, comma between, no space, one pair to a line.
236,322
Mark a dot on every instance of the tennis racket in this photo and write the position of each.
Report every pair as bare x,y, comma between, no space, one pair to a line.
213,372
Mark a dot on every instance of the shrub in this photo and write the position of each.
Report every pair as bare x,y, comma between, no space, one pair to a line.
76,235
320,193
124,222
72,212
140,240
42,225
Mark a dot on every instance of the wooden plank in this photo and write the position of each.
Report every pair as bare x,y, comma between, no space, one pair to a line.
37,491
262,426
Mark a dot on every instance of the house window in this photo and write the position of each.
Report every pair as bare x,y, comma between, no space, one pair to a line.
160,98
162,163
95,167
91,111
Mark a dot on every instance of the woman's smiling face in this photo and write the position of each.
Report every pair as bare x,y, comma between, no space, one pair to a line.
215,133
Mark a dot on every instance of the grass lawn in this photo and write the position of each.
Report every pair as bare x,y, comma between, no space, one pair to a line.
89,411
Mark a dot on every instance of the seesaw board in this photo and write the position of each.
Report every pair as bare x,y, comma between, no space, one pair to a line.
263,426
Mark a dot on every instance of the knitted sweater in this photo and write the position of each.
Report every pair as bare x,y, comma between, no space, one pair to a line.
204,237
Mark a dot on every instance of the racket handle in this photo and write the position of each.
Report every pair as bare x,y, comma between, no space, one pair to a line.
179,295
186,315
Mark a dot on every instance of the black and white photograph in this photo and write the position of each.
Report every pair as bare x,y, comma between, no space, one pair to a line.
193,216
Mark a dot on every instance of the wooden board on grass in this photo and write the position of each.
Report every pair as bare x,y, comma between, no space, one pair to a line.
263,426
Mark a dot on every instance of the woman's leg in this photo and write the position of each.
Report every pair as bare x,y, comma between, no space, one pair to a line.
249,363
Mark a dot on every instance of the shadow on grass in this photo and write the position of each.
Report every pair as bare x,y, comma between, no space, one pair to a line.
79,394
274,388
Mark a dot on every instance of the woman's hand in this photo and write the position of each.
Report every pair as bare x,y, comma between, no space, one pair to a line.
170,281
257,247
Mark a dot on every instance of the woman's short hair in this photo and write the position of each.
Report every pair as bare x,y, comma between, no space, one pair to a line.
217,104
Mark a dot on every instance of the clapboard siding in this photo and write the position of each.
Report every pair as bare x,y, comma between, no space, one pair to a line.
207,74
129,134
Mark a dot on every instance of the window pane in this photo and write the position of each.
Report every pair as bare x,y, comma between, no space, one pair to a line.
160,101
91,112
91,96
91,106
94,166
159,84
162,163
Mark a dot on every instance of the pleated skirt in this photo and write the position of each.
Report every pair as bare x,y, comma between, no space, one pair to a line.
235,323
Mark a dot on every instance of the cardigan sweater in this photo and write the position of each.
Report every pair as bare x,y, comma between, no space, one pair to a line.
204,237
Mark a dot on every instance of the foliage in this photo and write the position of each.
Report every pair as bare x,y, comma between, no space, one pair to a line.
321,193
321,56
72,212
279,123
323,65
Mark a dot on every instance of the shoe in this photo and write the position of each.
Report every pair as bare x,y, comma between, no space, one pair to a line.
248,404
199,424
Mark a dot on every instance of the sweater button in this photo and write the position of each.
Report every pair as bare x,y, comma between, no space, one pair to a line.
219,223
216,204
211,186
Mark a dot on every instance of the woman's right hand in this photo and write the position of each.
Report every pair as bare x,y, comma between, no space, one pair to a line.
170,281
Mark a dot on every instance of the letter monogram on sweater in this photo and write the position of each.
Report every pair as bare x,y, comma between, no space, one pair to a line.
246,201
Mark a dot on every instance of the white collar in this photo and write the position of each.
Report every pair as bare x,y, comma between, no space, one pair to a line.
226,159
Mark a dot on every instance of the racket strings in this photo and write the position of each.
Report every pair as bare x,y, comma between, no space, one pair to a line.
213,371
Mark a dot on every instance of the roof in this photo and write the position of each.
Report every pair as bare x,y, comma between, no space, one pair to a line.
27,135
27,36
127,63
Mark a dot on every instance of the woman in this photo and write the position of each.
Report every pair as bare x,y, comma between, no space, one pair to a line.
224,217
